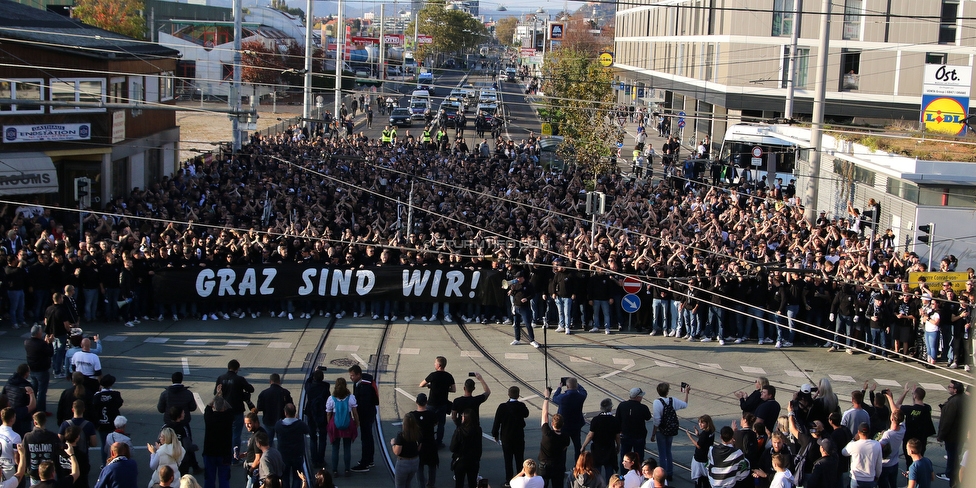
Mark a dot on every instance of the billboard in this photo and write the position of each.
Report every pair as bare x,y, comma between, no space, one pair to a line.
945,98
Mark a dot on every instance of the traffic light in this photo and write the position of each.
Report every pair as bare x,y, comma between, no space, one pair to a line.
596,203
83,192
928,229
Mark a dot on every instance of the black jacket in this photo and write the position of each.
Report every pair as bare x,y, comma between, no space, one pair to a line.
176,395
235,389
509,424
271,402
39,354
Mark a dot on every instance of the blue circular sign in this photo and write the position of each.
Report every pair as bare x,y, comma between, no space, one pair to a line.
630,303
681,124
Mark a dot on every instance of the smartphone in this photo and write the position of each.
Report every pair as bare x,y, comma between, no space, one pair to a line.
683,386
562,381
471,374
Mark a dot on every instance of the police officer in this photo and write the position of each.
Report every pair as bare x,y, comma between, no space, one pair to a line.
387,136
425,138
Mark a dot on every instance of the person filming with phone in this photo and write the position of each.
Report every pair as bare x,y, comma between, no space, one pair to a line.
666,423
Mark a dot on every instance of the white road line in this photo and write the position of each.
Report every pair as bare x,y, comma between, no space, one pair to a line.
612,373
516,355
347,347
709,366
665,364
113,338
157,340
887,382
186,367
932,386
360,360
196,342
409,350
238,343
405,393
200,405
753,370
628,363
530,397
471,354
842,377
792,373
279,345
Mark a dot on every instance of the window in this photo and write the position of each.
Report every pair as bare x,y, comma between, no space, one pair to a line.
166,86
947,21
116,90
801,68
152,89
21,90
936,58
850,63
137,92
783,17
91,90
854,173
902,189
852,19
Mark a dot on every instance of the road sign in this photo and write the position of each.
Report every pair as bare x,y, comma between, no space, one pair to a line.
606,59
630,303
681,123
632,285
682,114
546,129
757,153
620,145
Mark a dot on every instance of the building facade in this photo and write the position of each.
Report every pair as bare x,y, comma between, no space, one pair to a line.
124,137
721,61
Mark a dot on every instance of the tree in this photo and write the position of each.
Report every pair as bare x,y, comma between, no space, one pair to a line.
452,31
578,36
260,64
119,16
579,92
505,30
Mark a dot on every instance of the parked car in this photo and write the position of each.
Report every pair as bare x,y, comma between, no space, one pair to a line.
401,117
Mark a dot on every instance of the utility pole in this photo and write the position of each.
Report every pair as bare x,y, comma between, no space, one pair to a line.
791,64
382,47
816,131
235,89
340,54
307,99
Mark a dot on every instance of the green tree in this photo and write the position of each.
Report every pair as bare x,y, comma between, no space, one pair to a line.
505,30
453,31
119,16
579,93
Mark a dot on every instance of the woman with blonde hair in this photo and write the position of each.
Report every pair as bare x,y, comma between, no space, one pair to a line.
825,401
188,481
585,475
166,452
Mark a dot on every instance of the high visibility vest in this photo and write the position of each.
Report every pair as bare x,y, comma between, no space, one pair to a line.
386,136
393,135
426,136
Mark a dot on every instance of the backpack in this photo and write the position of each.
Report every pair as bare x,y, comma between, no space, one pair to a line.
669,419
799,463
341,415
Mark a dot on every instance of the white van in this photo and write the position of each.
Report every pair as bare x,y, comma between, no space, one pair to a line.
421,94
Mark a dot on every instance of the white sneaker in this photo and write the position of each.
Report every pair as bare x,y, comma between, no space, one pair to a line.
281,315
376,317
204,317
738,341
325,314
130,324
339,315
160,319
290,316
355,315
507,322
516,342
393,318
706,339
447,318
595,329
386,317
424,318
560,328
569,332
721,342
607,332
254,315
534,344
787,344
145,318
136,321
213,316
226,317
779,345
175,318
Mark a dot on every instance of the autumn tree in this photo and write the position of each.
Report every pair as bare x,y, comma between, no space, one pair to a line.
452,30
505,30
119,16
260,64
579,92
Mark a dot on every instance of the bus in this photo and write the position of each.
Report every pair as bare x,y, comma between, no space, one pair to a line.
754,151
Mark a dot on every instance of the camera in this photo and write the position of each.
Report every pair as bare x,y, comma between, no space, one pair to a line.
684,386
886,392
322,368
471,374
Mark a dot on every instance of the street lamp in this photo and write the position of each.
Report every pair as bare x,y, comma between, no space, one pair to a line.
545,32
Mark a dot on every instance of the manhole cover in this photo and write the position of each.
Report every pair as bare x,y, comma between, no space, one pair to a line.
343,362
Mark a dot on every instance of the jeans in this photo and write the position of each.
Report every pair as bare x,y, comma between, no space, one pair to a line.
112,304
663,320
89,298
525,314
714,323
216,469
16,299
318,434
405,470
42,299
789,333
346,455
59,350
876,339
39,382
691,322
932,345
844,325
601,314
564,308
889,477
756,315
440,413
664,453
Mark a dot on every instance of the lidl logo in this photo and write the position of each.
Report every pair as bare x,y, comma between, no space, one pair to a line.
945,115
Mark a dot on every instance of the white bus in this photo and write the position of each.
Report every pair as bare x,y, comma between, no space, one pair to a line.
755,152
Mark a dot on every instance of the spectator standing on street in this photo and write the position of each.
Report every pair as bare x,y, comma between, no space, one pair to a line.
856,415
271,402
179,396
120,471
43,445
768,409
633,416
921,473
527,478
918,419
427,471
468,400
237,391
727,466
367,398
343,424
702,438
865,454
466,451
88,364
893,438
9,440
316,396
118,435
57,323
40,353
107,404
521,293
508,429
217,449
951,430
570,402
605,436
166,452
666,423
290,433
272,466
21,398
440,383
406,447
552,448
748,403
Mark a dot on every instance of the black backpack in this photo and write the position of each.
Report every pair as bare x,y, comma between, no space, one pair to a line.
669,419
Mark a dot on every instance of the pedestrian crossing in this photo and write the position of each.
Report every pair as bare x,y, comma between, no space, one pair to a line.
236,344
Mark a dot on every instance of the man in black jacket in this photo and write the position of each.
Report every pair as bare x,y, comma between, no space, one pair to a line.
509,430
40,351
367,399
825,473
237,391
316,396
271,402
176,395
20,397
633,416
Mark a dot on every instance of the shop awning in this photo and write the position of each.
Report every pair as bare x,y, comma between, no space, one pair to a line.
26,173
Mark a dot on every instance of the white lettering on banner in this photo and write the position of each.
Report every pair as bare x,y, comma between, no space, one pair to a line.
453,286
249,283
364,282
205,282
46,132
269,274
417,280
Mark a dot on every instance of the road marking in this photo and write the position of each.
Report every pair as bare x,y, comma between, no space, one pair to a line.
792,373
530,397
614,372
753,370
279,345
665,364
347,347
405,393
887,382
196,342
471,354
516,355
408,350
114,338
200,405
628,363
932,386
709,366
238,343
157,340
841,377
186,366
359,359
574,359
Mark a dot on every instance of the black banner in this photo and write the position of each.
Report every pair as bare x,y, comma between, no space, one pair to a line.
307,282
